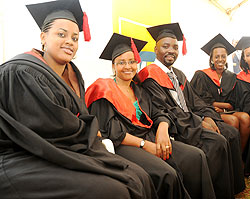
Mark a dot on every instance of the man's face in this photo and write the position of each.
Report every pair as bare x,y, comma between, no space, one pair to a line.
166,50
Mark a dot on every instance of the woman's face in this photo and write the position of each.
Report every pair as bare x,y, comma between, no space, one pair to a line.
125,66
247,55
61,41
219,58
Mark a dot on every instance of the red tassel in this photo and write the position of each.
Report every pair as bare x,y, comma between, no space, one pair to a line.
184,47
135,51
85,28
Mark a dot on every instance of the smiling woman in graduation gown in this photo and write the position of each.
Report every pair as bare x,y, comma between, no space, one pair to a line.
243,90
48,141
216,86
118,117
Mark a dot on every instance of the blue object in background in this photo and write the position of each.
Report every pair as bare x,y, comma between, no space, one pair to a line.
147,56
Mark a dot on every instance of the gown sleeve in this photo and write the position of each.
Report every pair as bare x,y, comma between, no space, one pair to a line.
201,86
36,101
110,125
198,106
242,92
45,106
183,122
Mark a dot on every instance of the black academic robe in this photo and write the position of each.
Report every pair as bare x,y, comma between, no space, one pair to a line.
48,141
117,116
208,87
189,125
242,94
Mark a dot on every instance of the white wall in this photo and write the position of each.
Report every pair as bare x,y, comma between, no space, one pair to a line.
21,34
201,21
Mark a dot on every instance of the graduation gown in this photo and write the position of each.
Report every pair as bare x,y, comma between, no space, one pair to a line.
189,125
48,141
208,86
116,115
242,94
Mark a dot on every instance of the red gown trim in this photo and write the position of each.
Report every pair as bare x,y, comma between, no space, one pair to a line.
244,77
212,75
36,54
108,89
155,72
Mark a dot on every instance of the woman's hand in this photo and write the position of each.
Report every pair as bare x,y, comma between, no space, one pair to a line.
219,110
162,140
220,106
209,123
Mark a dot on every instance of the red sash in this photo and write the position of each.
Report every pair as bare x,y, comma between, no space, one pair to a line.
212,75
244,77
107,88
156,73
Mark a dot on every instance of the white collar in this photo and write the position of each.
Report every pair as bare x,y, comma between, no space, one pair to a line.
163,67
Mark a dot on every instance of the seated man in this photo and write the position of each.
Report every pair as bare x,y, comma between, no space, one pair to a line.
196,123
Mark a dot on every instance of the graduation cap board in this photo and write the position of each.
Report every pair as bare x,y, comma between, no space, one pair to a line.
168,30
243,43
60,9
218,42
119,44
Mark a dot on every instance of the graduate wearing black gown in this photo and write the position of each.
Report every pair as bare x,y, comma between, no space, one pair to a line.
118,117
216,86
243,90
243,78
48,141
192,117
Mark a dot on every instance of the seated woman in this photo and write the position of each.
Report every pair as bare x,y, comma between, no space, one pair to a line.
48,141
243,78
139,131
216,84
243,89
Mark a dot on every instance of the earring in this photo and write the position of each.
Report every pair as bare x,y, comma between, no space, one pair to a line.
44,48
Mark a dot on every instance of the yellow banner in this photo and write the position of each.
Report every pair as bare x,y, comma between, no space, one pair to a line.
132,17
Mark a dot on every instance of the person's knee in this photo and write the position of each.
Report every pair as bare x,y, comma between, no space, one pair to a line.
221,141
171,177
109,189
196,155
233,121
244,118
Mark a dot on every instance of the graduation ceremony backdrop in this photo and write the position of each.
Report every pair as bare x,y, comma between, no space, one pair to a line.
200,21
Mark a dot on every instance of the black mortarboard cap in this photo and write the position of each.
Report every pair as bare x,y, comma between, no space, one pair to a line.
119,44
243,43
166,30
60,9
218,42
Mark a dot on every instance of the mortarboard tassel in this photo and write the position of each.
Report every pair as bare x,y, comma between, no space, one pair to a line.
184,47
135,51
85,28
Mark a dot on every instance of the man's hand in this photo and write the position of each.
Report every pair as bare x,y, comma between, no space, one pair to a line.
162,140
209,123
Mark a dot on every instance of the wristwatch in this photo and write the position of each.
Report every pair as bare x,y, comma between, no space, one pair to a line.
142,143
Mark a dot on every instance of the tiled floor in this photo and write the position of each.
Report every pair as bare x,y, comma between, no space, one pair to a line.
246,193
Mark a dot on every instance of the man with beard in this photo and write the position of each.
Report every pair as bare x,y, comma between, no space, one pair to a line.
198,124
